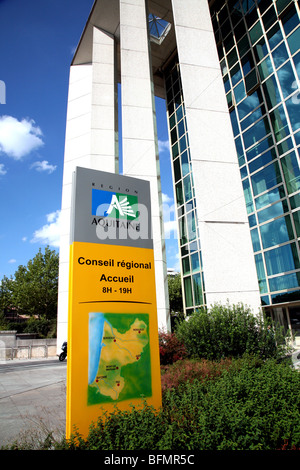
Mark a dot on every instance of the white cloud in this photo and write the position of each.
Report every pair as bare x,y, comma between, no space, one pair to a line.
166,199
49,234
44,166
163,145
11,261
170,229
19,138
2,170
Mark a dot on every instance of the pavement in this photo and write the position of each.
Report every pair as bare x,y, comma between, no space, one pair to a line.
32,400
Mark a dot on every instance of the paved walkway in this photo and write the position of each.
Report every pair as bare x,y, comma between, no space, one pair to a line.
32,399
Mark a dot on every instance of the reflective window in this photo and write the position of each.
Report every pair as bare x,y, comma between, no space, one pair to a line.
259,148
244,172
180,128
248,196
252,117
296,217
187,188
291,172
266,178
280,55
188,291
294,41
293,108
269,18
195,262
274,36
250,103
295,202
266,158
182,143
271,92
243,46
286,79
260,49
279,123
185,163
296,60
290,20
263,5
273,211
239,92
265,68
251,17
255,240
255,33
175,150
256,132
289,281
179,193
182,231
251,81
186,265
234,123
191,223
270,197
239,147
232,58
236,74
252,220
276,232
247,63
260,269
179,113
282,259
285,146
177,172
198,298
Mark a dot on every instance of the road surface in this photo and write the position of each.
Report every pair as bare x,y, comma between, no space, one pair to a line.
32,399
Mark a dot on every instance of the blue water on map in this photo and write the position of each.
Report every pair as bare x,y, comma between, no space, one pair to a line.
96,325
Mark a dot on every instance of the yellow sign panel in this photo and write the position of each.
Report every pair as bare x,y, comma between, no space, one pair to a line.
113,353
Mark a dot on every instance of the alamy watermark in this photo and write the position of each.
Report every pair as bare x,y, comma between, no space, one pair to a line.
2,92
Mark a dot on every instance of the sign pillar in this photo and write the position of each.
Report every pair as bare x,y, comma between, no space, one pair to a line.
113,353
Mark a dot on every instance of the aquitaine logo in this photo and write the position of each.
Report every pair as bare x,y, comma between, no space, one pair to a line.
114,205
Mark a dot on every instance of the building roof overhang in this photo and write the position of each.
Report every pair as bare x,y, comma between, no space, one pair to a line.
105,15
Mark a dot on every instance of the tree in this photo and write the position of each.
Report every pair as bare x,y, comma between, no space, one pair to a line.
175,293
35,286
5,294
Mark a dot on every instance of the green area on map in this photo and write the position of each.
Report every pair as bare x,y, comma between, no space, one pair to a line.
119,357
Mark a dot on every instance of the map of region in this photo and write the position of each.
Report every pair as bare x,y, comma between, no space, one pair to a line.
119,357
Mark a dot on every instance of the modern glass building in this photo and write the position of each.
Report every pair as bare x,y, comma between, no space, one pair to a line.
259,50
229,72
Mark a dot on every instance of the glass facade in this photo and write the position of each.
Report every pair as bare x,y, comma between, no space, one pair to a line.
189,243
258,44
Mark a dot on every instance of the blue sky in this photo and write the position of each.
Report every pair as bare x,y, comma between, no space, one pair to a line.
37,42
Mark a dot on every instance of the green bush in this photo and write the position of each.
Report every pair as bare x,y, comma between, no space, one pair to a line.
229,331
251,405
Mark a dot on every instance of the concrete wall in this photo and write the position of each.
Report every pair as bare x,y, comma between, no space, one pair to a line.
13,346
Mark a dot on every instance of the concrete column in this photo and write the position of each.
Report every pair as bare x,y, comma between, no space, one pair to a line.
91,142
139,134
227,254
